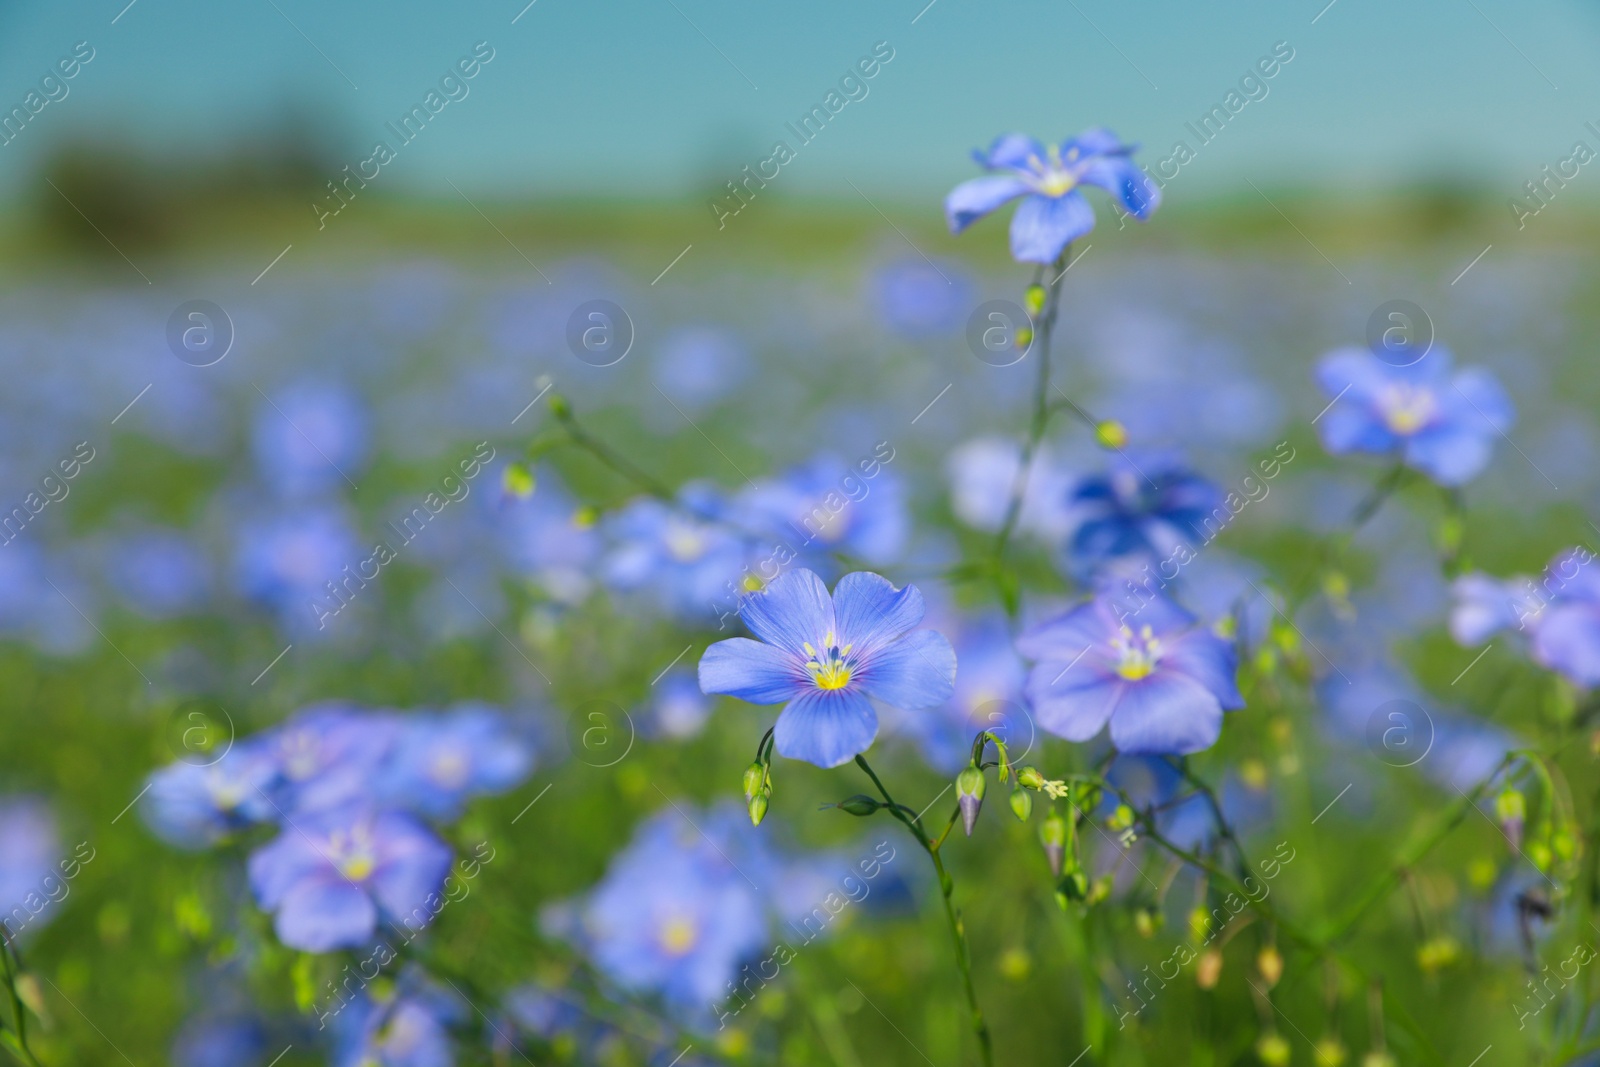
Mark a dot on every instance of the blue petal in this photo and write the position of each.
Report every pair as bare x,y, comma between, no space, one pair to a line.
412,866
1167,712
1044,225
1065,637
1354,429
1451,454
1483,607
1478,394
871,612
826,727
324,913
1209,660
970,201
1073,702
917,672
276,867
1010,150
1122,178
1095,141
751,671
793,610
1567,640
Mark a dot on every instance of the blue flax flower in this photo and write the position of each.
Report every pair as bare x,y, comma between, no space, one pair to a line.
674,916
407,1026
1054,212
1161,681
196,805
824,656
1559,615
329,876
438,762
1142,510
1441,424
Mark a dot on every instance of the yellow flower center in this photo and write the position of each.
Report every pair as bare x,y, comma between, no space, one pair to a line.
1407,409
1137,655
829,669
353,852
1052,178
678,936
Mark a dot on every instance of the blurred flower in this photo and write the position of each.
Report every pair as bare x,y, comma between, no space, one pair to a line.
988,696
1159,679
543,538
329,875
825,505
919,299
982,473
823,656
678,708
1441,424
30,847
285,562
1055,213
438,761
310,437
221,1040
192,805
678,555
1560,614
406,1026
674,915
159,573
330,754
699,365
1142,508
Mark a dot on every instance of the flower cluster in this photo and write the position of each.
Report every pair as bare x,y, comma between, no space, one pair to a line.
350,792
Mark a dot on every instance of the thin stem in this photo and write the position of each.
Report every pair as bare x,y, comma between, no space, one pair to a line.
1386,883
1181,765
609,456
19,1047
1041,408
952,914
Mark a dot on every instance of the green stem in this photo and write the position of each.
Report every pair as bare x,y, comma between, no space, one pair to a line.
607,455
952,914
1387,882
1041,409
17,1046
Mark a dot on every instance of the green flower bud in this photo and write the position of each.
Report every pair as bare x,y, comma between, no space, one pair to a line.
1023,337
1053,835
559,406
969,796
586,516
758,808
1030,777
1273,1050
860,804
1021,804
755,776
1331,1052
1109,433
1120,819
1033,300
517,481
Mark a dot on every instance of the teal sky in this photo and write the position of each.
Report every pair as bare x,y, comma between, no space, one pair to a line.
650,98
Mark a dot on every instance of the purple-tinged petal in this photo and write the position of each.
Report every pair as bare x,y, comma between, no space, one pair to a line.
1066,636
1074,702
790,612
1346,429
1167,712
870,612
277,866
1044,225
324,913
972,200
1122,178
1483,607
750,670
914,673
412,864
826,727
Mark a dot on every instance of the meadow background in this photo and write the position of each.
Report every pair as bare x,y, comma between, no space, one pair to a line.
162,608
